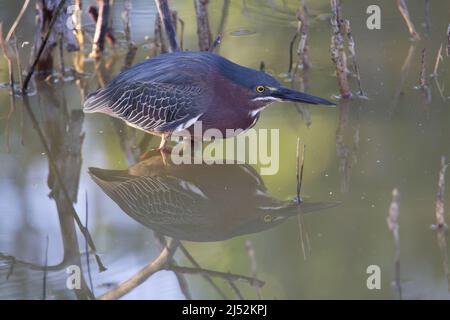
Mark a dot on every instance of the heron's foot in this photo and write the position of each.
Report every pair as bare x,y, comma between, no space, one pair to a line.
163,152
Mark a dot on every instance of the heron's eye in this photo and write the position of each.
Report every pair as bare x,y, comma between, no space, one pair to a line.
260,89
268,218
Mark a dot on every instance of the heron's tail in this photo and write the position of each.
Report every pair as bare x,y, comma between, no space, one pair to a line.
97,101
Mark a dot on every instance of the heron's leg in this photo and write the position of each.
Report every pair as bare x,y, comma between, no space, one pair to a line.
162,150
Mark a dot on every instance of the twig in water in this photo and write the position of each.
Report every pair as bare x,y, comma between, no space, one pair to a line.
18,62
427,17
88,264
126,20
154,266
101,28
251,254
351,48
440,218
337,51
43,44
441,235
422,79
303,29
77,15
60,181
303,234
405,14
224,16
291,48
12,98
392,222
448,40
423,83
206,277
404,75
44,279
16,22
224,275
300,165
181,33
262,66
235,289
203,28
166,19
439,58
216,43
8,57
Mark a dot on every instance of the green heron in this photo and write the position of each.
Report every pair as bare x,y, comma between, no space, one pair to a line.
172,91
198,202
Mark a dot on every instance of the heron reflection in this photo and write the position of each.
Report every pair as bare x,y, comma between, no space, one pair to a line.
198,202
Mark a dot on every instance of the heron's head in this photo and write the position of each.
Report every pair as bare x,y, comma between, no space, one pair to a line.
266,88
262,88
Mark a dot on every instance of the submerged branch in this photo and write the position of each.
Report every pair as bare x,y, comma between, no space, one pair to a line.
154,266
42,46
402,7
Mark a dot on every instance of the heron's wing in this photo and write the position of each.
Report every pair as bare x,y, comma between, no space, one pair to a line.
150,106
152,200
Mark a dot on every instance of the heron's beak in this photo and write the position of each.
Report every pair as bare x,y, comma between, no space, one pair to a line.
286,94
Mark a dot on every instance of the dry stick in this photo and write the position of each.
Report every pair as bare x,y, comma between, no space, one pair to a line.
18,62
405,14
448,40
337,51
206,277
422,79
44,278
299,175
442,244
203,28
224,275
182,282
159,38
291,48
12,105
3,44
252,256
351,48
88,264
440,218
236,290
181,33
101,29
154,266
77,14
439,58
427,17
166,19
262,66
216,43
404,74
224,16
423,83
303,48
16,22
41,48
93,13
61,54
440,225
55,169
392,222
126,20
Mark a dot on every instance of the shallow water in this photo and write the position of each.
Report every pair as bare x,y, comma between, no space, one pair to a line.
356,154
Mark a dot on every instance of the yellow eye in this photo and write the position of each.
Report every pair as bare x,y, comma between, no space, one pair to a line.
268,218
260,89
